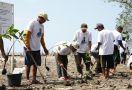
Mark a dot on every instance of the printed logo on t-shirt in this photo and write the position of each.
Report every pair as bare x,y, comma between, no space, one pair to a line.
83,40
39,33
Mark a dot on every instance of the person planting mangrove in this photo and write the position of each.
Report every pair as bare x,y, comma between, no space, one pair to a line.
84,37
61,51
33,38
95,54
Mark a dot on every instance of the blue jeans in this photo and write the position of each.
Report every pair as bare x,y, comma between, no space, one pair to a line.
61,71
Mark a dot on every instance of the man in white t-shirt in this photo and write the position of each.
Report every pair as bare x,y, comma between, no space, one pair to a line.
84,37
122,52
2,46
33,38
105,47
117,44
61,51
95,54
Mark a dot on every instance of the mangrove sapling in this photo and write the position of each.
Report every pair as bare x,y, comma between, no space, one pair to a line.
9,34
4,71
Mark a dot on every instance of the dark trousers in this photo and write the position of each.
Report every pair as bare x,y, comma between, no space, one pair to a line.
123,58
98,68
60,70
96,56
116,56
78,59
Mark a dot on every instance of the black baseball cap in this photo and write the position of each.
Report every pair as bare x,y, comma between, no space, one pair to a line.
84,25
99,25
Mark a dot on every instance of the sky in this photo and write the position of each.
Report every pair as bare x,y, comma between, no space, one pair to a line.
65,17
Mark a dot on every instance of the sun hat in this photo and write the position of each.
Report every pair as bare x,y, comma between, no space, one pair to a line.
43,15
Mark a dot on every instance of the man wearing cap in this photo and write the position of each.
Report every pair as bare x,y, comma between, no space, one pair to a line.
61,51
84,37
117,43
105,47
33,38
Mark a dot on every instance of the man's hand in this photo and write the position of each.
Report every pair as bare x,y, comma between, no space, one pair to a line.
61,65
27,49
46,51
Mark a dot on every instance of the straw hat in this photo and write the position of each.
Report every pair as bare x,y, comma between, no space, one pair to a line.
43,15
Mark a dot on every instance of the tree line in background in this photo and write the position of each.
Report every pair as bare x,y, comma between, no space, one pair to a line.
125,18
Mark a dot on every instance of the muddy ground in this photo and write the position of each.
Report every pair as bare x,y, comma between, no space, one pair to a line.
122,80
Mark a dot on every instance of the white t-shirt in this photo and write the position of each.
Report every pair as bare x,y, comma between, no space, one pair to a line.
125,45
83,39
62,48
106,38
36,30
93,48
117,36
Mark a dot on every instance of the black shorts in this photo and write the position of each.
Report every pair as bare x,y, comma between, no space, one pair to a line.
36,55
106,61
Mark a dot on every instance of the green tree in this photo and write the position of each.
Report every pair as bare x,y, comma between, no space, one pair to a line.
125,17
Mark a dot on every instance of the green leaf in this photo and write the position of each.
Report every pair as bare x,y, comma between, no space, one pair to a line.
12,30
16,37
21,33
6,36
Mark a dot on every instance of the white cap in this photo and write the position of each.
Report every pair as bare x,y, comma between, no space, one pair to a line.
43,15
75,44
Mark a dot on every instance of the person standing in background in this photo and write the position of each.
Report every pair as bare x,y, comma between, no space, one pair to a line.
105,47
117,43
33,38
122,52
